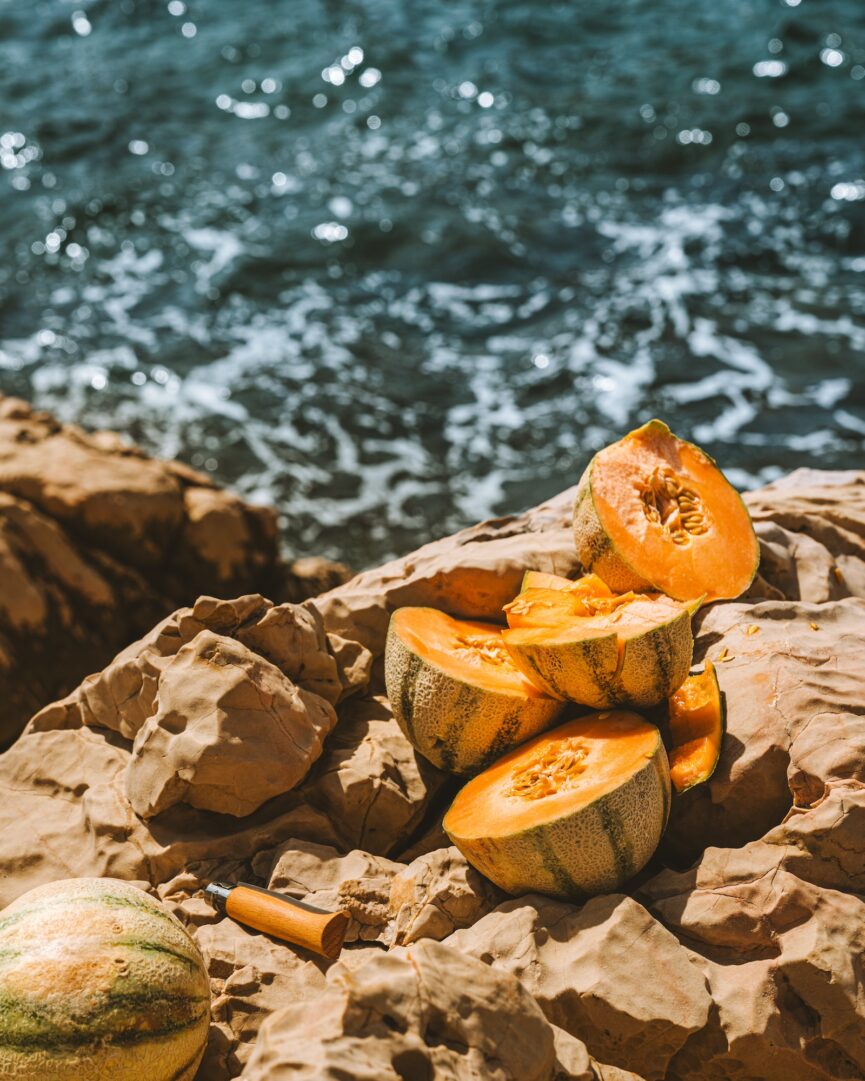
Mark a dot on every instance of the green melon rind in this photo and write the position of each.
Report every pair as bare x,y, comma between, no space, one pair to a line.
595,849
149,1020
455,725
653,665
596,551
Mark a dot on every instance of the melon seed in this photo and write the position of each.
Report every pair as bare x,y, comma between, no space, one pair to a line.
554,770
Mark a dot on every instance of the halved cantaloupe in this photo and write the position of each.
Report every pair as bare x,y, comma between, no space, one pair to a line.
601,652
455,691
655,512
576,811
696,727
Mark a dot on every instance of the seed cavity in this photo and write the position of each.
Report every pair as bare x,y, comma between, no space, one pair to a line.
582,605
487,650
552,770
668,503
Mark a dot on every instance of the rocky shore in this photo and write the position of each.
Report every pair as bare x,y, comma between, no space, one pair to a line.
251,739
98,541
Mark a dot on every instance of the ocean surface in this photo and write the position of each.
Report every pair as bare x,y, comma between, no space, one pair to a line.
399,266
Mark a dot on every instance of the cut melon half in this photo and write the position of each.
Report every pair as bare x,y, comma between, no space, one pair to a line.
655,513
601,652
456,692
696,726
576,811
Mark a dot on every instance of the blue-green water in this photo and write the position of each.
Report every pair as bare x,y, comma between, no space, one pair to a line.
399,266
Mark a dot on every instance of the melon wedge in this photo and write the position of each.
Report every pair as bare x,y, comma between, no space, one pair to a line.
602,652
455,691
576,811
655,513
696,726
589,584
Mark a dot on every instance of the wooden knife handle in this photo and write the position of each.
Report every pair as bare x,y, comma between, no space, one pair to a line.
282,917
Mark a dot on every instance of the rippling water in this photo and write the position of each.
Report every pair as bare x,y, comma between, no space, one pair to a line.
396,267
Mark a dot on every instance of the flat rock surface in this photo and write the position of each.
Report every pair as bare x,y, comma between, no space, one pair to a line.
735,955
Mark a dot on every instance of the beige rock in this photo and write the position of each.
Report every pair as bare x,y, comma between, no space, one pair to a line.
64,814
312,575
97,543
357,882
471,575
430,1013
606,972
792,677
745,965
251,976
230,732
370,781
811,525
389,902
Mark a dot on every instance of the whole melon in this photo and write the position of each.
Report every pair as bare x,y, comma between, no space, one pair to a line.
99,982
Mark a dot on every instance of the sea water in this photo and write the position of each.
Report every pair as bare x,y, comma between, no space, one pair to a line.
395,267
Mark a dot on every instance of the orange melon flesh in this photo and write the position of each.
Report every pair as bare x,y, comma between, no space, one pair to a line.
634,615
696,725
614,746
470,652
588,585
602,652
546,607
671,517
575,811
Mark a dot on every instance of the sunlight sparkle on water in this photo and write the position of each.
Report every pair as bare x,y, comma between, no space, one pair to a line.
81,24
369,78
769,69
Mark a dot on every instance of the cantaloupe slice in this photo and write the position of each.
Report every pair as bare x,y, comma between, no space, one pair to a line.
576,811
655,512
604,651
456,692
696,727
589,584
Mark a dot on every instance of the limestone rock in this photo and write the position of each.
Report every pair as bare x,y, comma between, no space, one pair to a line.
229,732
606,972
370,781
251,976
471,574
312,575
811,525
389,902
738,954
792,677
98,542
64,814
357,882
430,1013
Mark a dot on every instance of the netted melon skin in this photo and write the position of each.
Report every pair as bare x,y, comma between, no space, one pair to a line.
653,666
595,550
593,850
164,983
456,726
